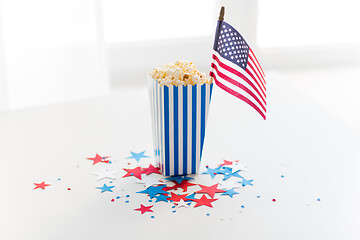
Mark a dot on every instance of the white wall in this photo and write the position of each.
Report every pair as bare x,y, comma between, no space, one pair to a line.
53,51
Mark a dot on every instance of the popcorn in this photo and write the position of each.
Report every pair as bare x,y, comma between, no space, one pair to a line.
179,73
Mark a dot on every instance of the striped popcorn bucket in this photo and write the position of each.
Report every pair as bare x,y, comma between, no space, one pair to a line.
179,116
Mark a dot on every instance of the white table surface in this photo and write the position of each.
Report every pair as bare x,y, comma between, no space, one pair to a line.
315,148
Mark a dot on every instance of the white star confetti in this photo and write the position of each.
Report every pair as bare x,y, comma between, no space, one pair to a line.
105,173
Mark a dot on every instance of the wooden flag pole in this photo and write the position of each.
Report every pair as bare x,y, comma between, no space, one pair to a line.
222,13
221,18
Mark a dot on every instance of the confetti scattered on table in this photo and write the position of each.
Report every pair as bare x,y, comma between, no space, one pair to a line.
204,201
136,172
137,156
225,163
105,188
149,181
152,191
182,203
98,159
41,185
143,209
206,190
245,182
151,169
211,190
230,193
105,173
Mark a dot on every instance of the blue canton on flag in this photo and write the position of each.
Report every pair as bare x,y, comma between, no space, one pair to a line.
231,45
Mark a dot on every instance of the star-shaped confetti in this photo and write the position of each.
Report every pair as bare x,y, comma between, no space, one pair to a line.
143,209
99,158
210,190
226,163
232,174
241,167
161,198
105,173
225,170
190,197
151,169
246,182
137,156
105,188
178,179
212,171
152,191
136,172
231,192
149,181
41,185
182,203
177,197
229,184
183,185
204,201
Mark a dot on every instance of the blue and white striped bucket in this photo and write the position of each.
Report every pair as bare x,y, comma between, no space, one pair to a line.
179,116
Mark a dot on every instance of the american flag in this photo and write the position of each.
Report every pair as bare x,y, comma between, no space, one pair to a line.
236,69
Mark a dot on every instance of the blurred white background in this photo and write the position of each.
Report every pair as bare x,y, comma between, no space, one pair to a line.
53,51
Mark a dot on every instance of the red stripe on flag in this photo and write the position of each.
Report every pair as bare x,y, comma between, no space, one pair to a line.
237,73
236,83
252,76
257,68
257,61
262,84
238,95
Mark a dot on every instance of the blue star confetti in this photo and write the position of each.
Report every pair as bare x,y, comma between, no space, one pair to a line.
246,182
137,156
212,171
178,179
105,188
190,197
230,193
161,198
232,174
152,191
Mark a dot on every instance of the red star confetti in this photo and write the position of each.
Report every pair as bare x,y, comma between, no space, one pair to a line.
210,190
136,172
98,159
151,169
41,185
226,163
176,197
144,209
183,185
204,201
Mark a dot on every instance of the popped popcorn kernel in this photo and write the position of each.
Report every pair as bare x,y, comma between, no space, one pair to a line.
180,73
